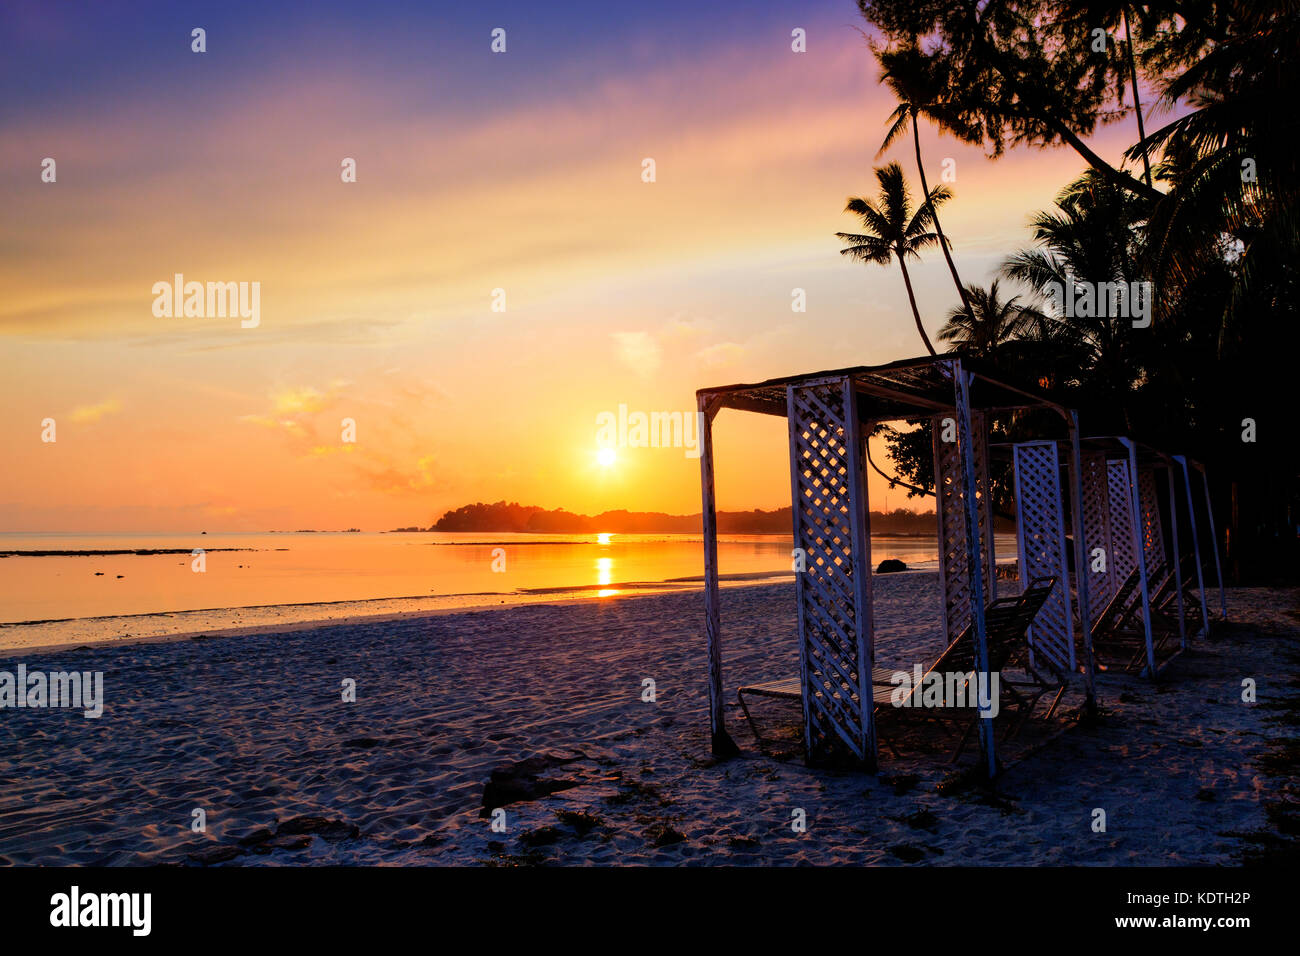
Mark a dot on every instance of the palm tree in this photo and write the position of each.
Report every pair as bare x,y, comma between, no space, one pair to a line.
989,322
1233,77
1092,237
893,231
1015,71
913,78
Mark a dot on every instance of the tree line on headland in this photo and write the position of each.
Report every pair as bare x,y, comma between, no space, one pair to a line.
502,516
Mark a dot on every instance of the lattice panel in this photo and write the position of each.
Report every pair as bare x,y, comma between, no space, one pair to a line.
950,506
1096,534
824,496
1041,540
1123,557
1153,539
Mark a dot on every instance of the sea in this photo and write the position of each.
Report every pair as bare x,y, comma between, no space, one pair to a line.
90,586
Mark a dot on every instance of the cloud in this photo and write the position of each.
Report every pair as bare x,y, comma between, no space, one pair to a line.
300,416
293,401
679,330
721,355
293,411
558,164
290,406
638,351
86,414
390,478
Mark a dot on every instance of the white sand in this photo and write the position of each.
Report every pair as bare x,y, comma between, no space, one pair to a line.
251,729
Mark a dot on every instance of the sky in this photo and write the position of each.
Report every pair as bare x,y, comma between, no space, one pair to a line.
477,173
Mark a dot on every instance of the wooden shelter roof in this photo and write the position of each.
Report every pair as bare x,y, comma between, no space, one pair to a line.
904,389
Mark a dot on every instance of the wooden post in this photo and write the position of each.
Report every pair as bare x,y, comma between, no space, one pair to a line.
951,628
1178,556
796,517
722,744
1214,540
1196,547
1140,552
1081,565
1022,552
980,423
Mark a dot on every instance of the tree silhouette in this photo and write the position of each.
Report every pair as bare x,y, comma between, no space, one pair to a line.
893,231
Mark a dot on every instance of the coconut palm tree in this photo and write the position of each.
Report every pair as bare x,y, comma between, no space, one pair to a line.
989,322
914,80
893,231
1213,200
1092,237
1016,71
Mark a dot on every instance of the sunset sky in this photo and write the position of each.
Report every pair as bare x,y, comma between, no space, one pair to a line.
476,171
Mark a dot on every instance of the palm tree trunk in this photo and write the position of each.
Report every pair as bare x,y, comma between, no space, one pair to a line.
934,216
1137,100
916,313
1037,110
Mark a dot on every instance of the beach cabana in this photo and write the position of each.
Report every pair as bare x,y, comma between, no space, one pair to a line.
829,415
1146,580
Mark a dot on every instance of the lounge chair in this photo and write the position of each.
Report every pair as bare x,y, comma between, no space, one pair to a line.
1006,622
1119,633
1167,607
1006,626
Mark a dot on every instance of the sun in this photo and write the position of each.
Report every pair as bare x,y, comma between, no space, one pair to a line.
606,457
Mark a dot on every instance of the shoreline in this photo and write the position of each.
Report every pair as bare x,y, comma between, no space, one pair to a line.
583,594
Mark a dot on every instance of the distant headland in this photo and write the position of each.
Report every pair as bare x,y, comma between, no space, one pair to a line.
502,516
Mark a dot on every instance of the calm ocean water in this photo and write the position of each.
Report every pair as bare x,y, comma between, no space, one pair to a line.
299,573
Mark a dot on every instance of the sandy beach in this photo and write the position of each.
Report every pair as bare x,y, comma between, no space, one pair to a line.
539,708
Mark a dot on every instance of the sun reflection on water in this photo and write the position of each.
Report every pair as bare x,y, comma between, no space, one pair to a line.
604,575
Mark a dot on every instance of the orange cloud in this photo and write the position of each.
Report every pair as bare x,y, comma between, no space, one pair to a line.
88,414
